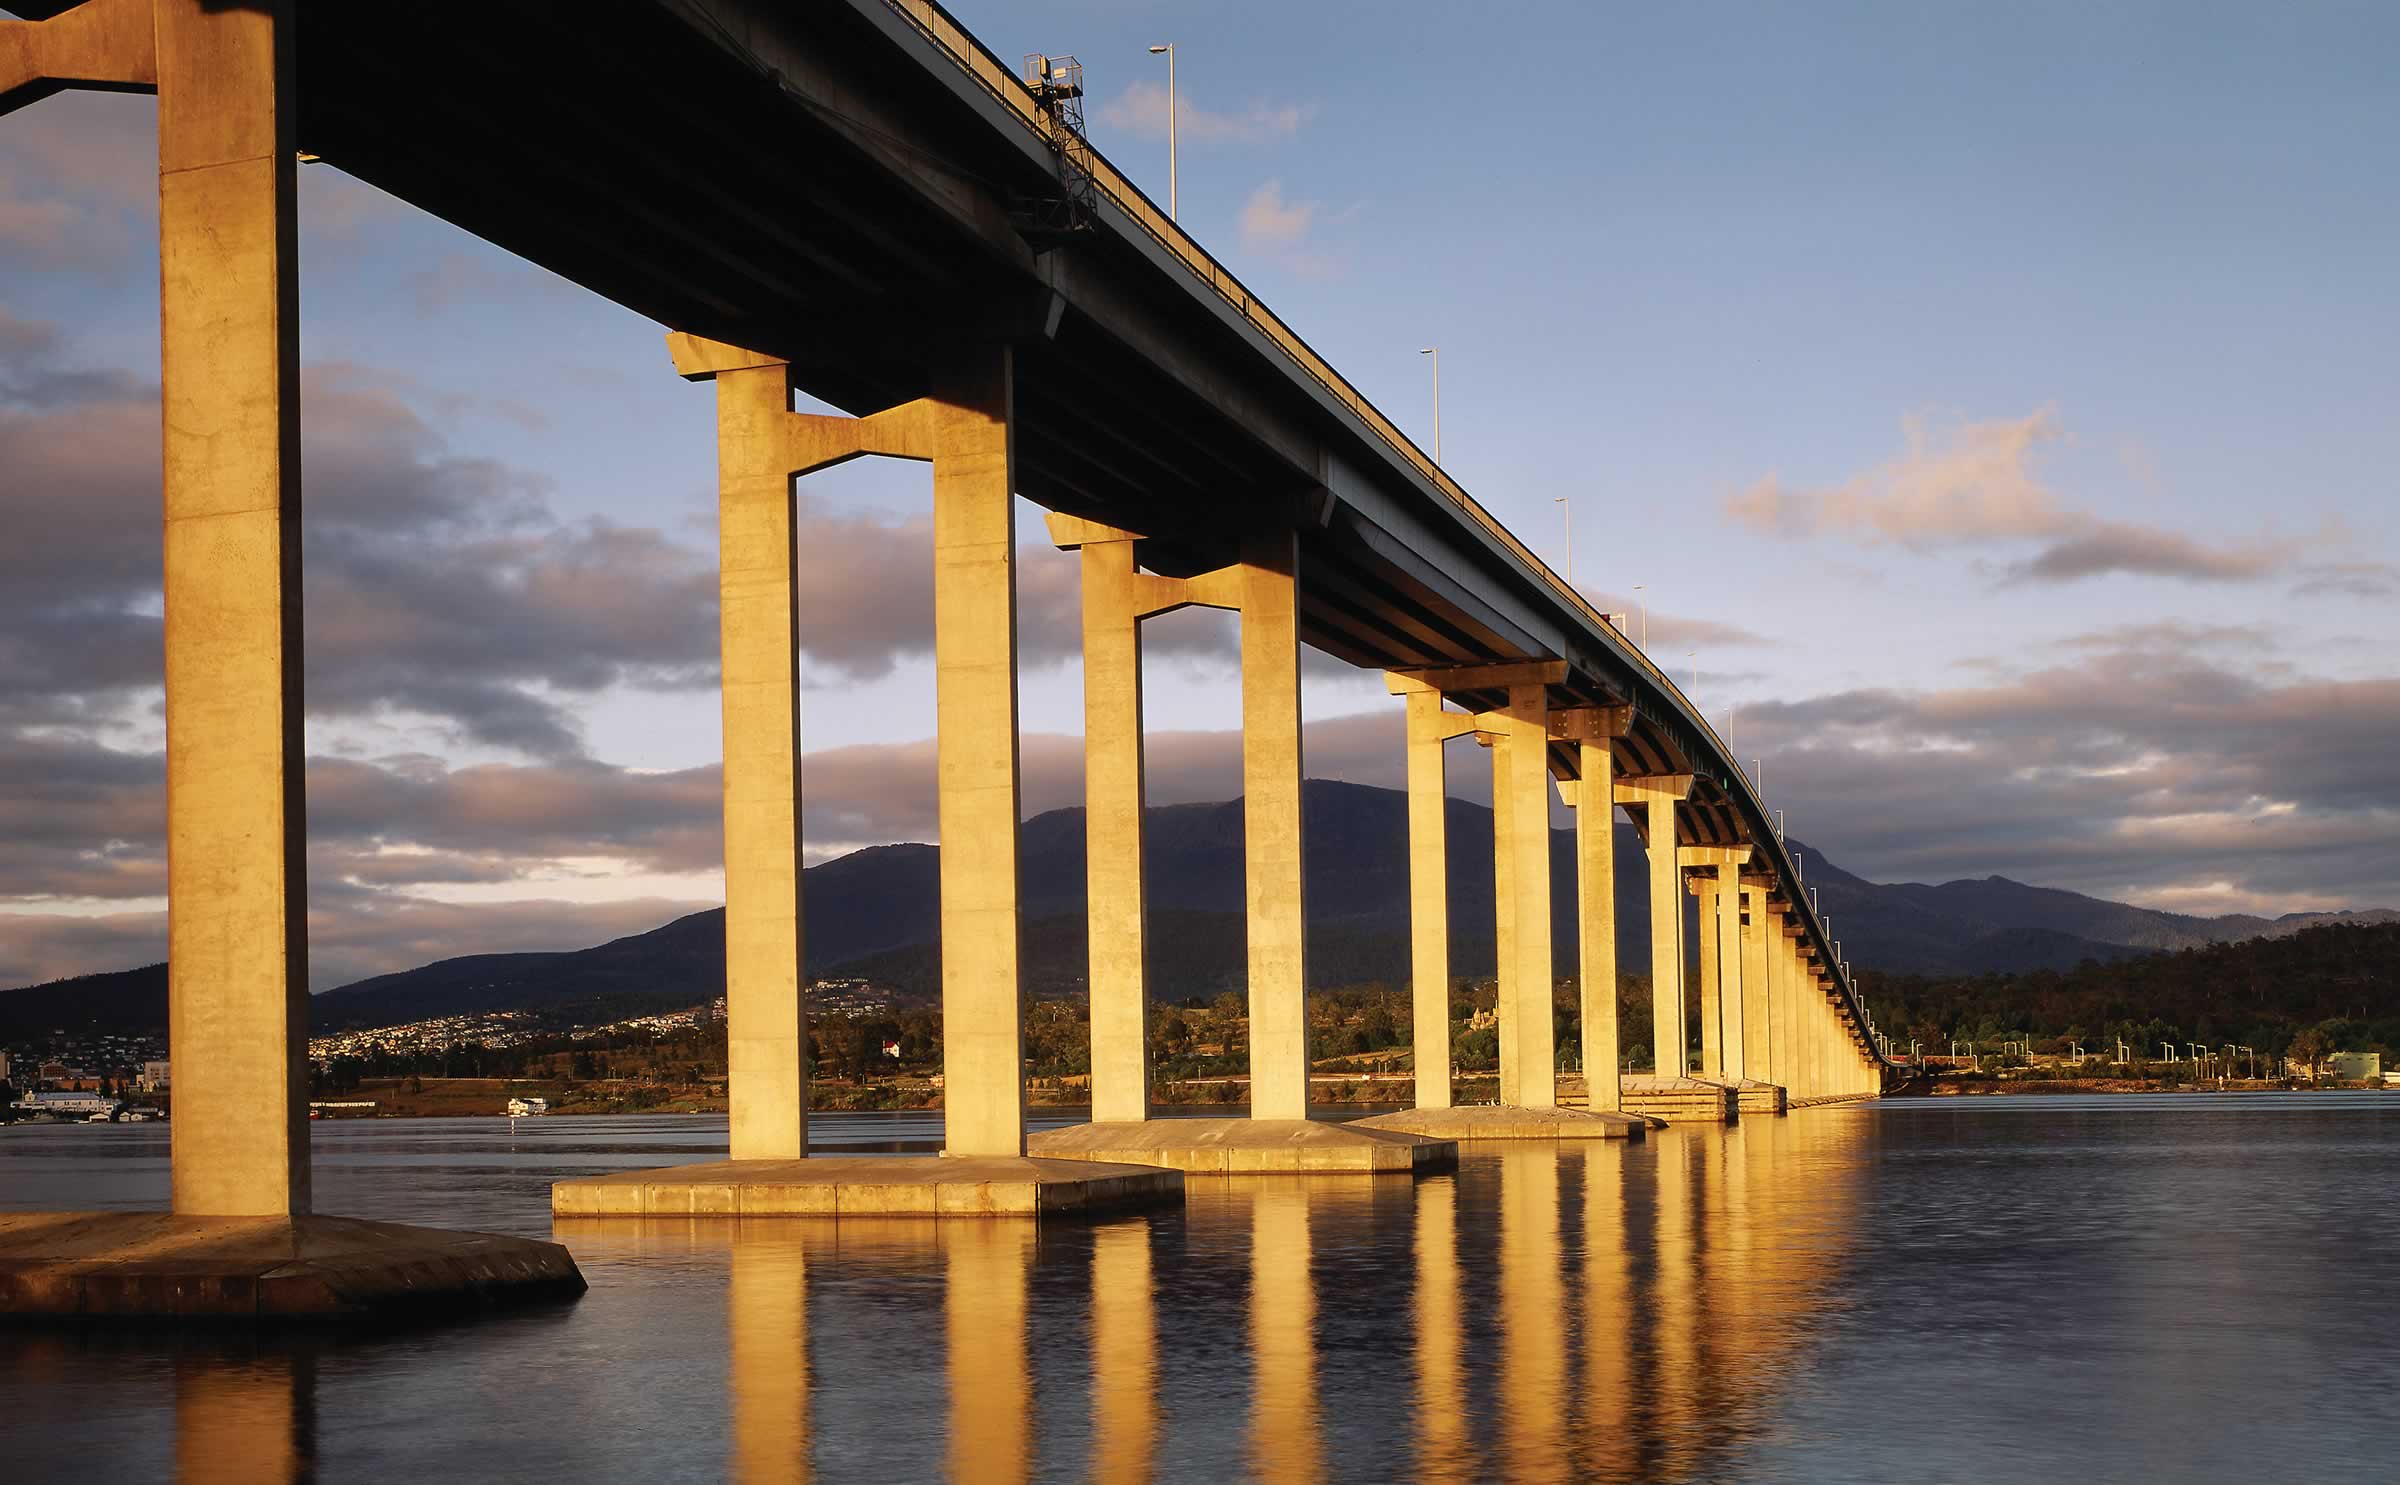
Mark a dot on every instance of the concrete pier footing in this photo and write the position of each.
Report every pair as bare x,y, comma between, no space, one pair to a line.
1506,1122
1760,1098
851,1186
160,1266
1681,1100
1251,1147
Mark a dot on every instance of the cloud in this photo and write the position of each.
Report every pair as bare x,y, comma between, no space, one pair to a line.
2347,579
1976,485
1282,228
79,183
1671,633
400,843
1268,220
2140,762
1141,109
2108,546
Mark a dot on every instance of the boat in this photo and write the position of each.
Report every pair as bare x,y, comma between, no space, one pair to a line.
526,1108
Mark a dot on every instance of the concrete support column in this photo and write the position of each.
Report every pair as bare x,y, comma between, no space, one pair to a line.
1731,1006
1780,999
1670,1022
1112,818
1521,856
766,1027
237,1002
1504,912
1429,890
1712,1014
1758,1052
1656,798
1596,923
970,420
1271,828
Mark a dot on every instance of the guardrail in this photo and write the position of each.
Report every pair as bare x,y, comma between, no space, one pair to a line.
996,78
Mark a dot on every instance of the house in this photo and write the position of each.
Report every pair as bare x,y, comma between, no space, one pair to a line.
2354,1067
153,1078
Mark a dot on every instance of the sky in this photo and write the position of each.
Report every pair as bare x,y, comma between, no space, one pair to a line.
1994,407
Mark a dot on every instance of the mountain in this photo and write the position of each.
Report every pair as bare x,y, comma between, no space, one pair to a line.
1994,925
876,914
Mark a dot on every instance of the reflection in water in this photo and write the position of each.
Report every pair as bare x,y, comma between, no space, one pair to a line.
1608,1317
767,1340
1533,1314
991,1387
245,1423
1124,1355
1608,1312
1283,1314
1441,1386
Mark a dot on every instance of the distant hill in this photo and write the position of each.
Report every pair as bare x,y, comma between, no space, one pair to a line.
2343,979
875,914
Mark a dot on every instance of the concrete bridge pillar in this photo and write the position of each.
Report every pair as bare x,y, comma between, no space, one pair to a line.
1271,826
964,430
1731,1005
1717,881
1429,727
1116,893
229,326
766,1042
1784,1068
1656,796
1521,864
1596,918
1758,1045
1712,1020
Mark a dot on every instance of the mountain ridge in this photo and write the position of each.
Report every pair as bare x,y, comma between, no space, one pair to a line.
874,913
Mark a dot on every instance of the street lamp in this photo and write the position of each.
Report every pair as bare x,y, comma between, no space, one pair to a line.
1643,604
1566,513
1435,352
1167,50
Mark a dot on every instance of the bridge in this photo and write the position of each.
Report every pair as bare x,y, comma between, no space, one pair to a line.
857,200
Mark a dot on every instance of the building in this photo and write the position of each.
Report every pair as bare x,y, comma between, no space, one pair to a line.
153,1078
2354,1067
66,1105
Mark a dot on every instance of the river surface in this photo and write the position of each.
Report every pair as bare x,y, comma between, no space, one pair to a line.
2198,1288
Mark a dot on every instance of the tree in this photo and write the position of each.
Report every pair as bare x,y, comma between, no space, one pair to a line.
2310,1047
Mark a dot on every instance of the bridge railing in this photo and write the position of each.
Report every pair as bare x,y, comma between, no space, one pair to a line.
996,78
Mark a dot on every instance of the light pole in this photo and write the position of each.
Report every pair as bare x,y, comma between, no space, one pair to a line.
1435,352
1167,50
1566,514
1643,604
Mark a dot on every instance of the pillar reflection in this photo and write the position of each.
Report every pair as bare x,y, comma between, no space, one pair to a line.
767,1332
1674,1275
1609,1438
1284,1437
991,1385
1533,1316
1442,1449
251,1422
1124,1355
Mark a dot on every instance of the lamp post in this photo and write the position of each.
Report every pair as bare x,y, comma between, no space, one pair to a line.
1435,352
1167,50
1643,604
1566,514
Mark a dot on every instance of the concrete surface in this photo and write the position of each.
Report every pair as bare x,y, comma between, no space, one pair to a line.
877,1186
164,1266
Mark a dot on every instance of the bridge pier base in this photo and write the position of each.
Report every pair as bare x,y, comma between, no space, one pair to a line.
1682,1100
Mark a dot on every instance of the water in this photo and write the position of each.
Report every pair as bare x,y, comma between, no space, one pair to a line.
2132,1288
